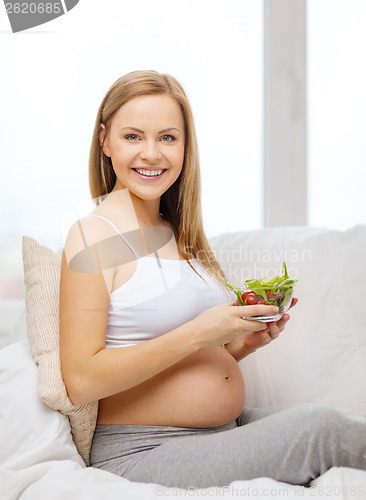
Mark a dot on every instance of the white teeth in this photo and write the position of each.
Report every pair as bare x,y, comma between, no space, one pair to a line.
149,173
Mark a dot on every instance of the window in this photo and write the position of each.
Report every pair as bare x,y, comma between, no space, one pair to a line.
56,77
336,113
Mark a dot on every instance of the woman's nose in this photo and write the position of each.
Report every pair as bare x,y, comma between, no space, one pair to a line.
150,151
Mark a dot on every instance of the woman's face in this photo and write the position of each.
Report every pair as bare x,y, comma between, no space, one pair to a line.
146,145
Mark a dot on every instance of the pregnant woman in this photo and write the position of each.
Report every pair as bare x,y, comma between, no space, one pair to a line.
148,329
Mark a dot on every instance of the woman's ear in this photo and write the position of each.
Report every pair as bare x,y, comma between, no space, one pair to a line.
103,139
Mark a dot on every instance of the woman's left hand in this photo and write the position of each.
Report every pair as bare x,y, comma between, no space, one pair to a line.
250,342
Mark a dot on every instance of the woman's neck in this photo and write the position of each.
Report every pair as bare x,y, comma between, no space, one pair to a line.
146,211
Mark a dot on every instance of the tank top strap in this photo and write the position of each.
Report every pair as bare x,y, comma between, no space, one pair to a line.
119,233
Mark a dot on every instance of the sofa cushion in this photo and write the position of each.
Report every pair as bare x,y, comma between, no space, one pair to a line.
321,355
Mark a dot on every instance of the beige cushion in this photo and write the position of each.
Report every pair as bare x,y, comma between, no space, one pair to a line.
42,281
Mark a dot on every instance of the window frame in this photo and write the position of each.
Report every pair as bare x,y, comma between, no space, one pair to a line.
285,113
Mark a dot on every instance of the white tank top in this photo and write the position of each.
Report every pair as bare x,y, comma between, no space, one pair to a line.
161,295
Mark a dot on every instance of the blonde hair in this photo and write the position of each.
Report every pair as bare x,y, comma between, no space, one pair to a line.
180,205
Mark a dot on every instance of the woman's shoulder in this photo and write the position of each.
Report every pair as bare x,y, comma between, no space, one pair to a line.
102,231
87,231
107,219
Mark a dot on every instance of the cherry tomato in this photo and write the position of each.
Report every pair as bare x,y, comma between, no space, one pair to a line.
269,294
250,297
261,300
245,295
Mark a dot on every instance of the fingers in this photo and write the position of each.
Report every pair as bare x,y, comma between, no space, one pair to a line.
274,330
269,331
257,310
281,323
261,338
267,337
252,326
276,327
294,301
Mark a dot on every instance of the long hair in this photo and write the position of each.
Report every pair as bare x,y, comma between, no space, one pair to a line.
180,205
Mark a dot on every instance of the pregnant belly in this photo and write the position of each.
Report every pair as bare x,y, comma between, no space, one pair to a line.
205,389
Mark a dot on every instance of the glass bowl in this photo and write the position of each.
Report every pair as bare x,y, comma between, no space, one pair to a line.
276,291
282,297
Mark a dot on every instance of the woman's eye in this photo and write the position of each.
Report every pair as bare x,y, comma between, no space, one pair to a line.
168,138
131,137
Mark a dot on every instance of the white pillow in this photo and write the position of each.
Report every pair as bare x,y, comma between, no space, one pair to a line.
31,432
321,356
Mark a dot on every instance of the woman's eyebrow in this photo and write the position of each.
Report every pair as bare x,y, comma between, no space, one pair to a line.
142,132
133,128
167,130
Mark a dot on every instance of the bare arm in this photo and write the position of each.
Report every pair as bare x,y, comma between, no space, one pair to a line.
91,372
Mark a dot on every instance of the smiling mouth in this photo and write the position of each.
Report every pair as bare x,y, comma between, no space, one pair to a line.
150,173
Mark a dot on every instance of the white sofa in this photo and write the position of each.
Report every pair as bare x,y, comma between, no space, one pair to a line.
320,357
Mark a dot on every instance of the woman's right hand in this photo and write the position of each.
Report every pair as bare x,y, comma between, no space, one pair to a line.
224,323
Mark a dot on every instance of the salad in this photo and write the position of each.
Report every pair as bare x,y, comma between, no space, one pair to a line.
276,291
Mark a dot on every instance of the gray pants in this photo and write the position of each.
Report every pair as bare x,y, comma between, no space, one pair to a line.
294,445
